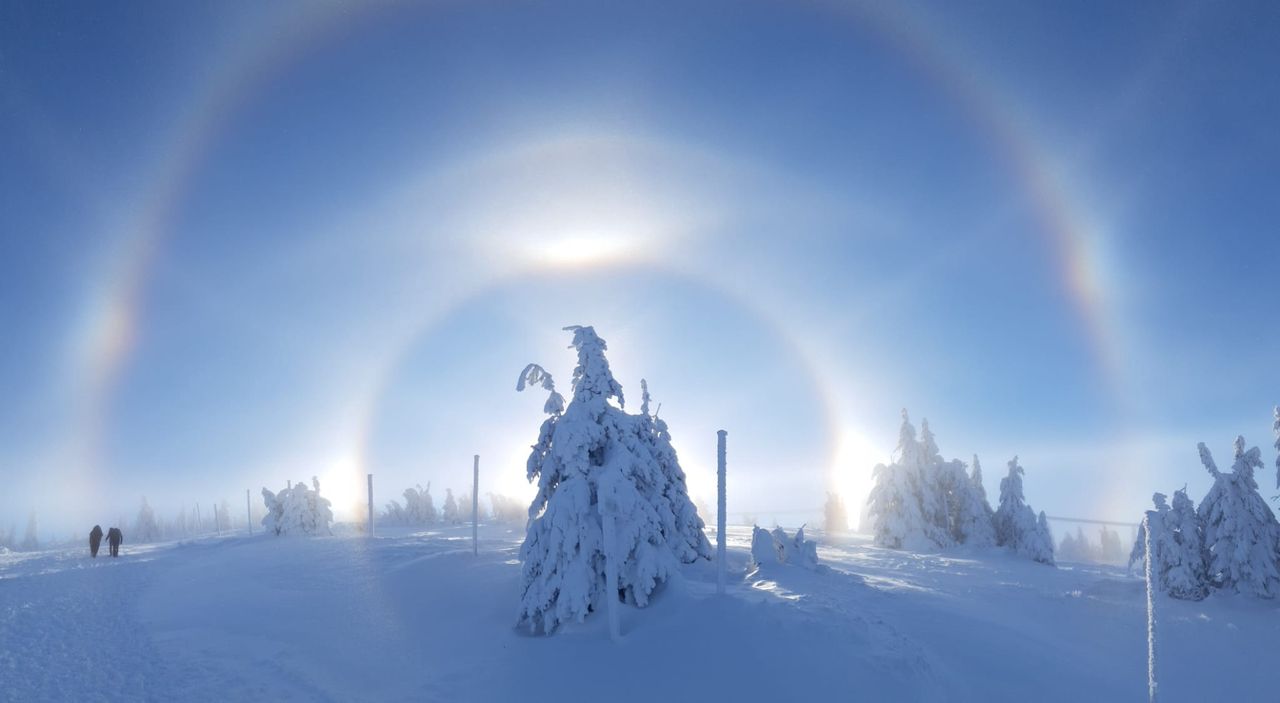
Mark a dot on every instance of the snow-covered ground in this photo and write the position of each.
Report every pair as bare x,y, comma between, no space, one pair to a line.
414,616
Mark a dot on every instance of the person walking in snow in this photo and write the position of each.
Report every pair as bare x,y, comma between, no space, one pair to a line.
114,538
95,540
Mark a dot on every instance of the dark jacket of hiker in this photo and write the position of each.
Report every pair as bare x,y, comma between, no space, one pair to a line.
114,538
95,540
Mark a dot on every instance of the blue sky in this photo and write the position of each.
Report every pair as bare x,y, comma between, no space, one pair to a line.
244,244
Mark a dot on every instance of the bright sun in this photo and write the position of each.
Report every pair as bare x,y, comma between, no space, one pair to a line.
855,458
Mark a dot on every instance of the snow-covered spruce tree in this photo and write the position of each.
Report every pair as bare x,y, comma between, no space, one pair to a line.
145,528
836,520
450,512
297,510
1240,531
935,480
894,506
1110,551
596,464
419,508
969,513
1177,547
1183,573
1016,525
1154,521
981,531
682,526
1044,541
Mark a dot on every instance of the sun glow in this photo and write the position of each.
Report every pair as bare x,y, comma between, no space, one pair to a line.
344,485
574,251
855,458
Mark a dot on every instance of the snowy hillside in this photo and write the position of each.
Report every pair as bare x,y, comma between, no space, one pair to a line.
413,615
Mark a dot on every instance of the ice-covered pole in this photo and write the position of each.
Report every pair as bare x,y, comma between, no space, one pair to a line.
217,524
475,506
370,505
248,510
720,514
1151,612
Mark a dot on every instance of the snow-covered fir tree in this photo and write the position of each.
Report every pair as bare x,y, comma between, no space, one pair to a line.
297,510
682,526
923,501
935,479
1044,541
1016,525
1110,551
971,516
450,512
1183,570
836,520
1154,523
145,529
419,508
1177,546
894,506
1240,531
600,469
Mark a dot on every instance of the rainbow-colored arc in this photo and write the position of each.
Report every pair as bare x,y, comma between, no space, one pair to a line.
109,331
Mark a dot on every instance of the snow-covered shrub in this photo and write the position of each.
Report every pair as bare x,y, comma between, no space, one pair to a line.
837,520
1240,531
775,547
145,528
297,510
595,463
764,548
1016,525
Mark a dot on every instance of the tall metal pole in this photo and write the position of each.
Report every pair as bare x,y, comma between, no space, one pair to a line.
248,510
720,511
370,505
475,506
